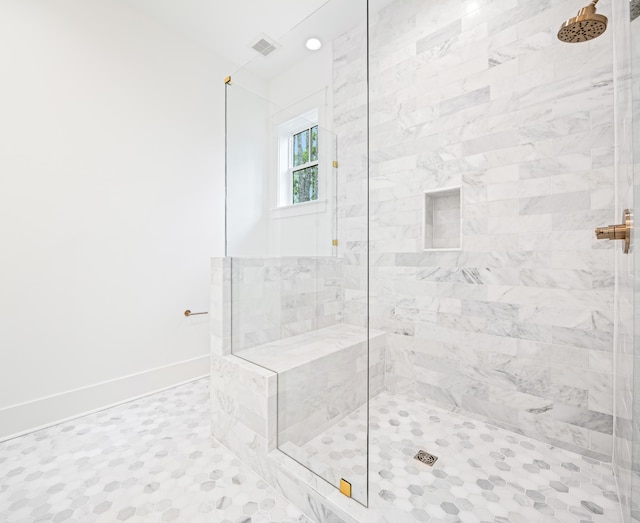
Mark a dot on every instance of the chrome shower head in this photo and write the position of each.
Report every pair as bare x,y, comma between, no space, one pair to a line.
586,26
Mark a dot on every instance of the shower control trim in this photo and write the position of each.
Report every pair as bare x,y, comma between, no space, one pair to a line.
621,231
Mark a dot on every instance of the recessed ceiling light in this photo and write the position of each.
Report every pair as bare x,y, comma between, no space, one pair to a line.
313,44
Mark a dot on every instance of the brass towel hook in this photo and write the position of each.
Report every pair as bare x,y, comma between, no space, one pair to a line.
621,231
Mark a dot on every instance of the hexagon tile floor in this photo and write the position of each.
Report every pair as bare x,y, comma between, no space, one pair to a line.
151,460
483,474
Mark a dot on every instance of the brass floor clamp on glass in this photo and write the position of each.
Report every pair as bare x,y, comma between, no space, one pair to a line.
345,487
621,231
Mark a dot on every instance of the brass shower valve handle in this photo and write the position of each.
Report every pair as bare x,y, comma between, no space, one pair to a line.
621,231
612,232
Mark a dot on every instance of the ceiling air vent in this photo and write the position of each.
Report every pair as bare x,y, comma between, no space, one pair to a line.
264,45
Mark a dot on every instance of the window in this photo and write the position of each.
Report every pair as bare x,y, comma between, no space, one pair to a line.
300,164
304,165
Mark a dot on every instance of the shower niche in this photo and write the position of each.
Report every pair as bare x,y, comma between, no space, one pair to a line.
443,219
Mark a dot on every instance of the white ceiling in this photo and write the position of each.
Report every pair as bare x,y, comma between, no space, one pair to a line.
230,27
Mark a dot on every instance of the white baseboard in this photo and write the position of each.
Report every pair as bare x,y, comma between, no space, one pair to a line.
23,418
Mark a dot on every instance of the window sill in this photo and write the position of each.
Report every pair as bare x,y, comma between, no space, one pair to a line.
299,209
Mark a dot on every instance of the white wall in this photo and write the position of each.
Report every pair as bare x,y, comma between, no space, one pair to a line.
247,192
111,204
304,87
256,108
312,74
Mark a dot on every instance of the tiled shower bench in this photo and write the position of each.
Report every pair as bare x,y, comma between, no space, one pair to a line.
321,377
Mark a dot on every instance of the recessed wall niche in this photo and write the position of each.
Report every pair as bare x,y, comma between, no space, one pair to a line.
442,219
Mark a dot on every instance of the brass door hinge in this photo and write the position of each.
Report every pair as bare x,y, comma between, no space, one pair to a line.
335,164
334,243
227,80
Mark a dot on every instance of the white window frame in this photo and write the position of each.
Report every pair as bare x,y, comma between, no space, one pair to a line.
286,131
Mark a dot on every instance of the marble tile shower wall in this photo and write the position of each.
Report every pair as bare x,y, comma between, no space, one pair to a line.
275,298
350,125
517,326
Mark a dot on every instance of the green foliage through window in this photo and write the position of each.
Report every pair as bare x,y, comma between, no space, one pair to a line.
305,152
314,144
305,185
301,148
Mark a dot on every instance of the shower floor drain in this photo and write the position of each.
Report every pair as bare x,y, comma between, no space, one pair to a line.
426,458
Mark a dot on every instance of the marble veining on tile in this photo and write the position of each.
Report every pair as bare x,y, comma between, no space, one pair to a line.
486,98
151,460
275,298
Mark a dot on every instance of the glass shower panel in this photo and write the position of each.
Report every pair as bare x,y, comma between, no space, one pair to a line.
629,376
297,238
247,181
280,242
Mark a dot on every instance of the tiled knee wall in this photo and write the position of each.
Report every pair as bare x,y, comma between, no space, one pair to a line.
275,298
517,326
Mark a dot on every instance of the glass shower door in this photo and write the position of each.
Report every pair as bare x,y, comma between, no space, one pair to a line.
628,431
